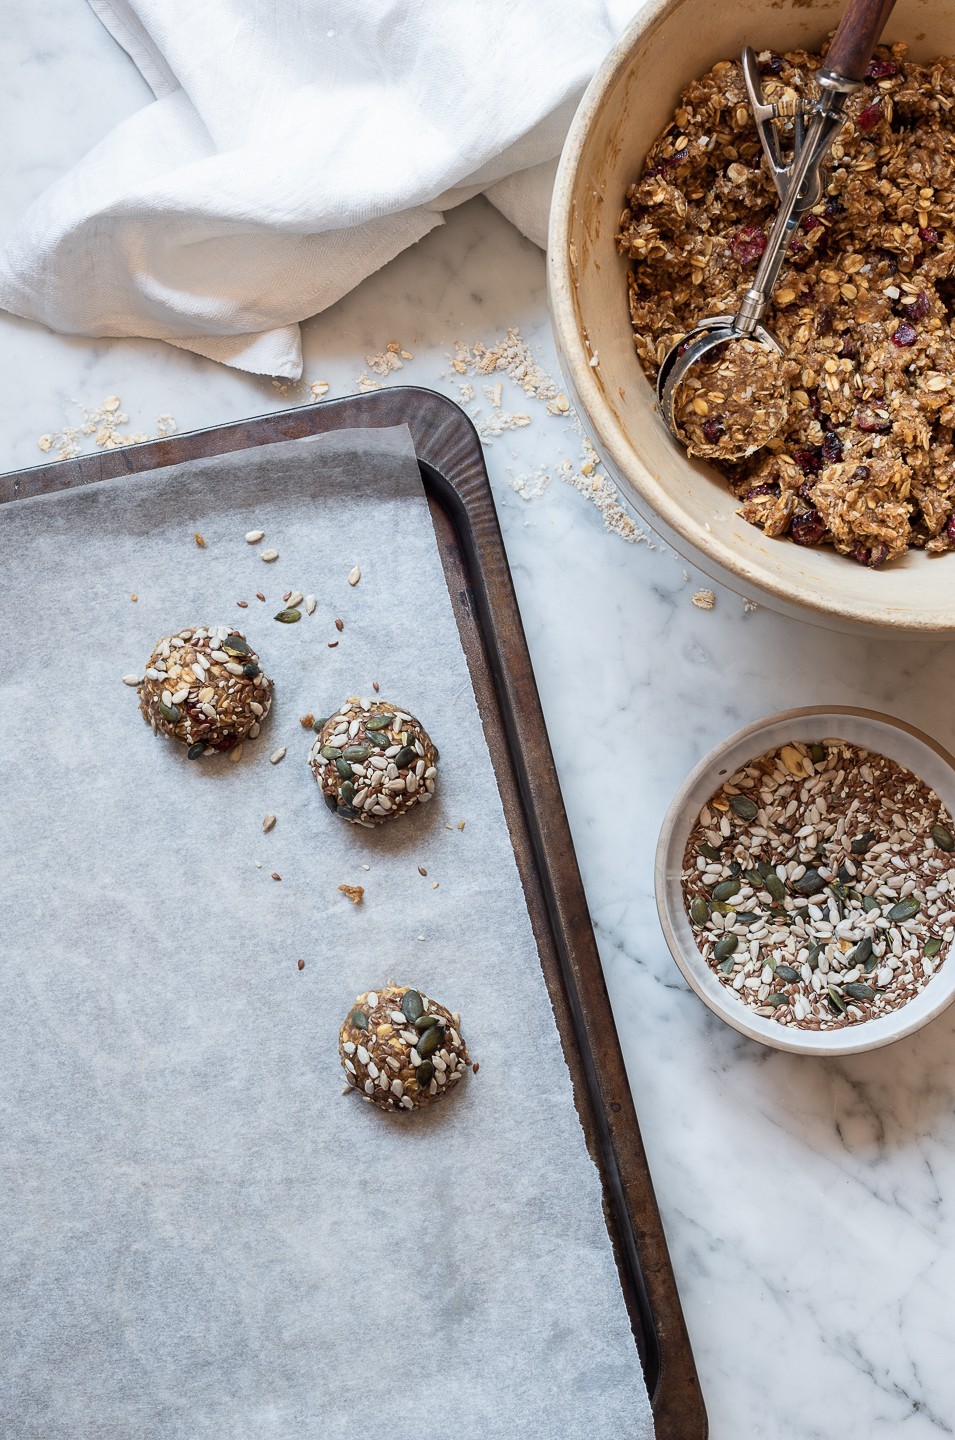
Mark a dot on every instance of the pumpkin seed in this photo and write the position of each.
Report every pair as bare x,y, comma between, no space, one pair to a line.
836,1002
817,753
943,837
861,843
859,991
905,909
755,879
289,617
721,907
194,751
775,887
744,807
424,1074
379,722
331,801
407,756
709,852
430,1041
251,670
727,965
347,812
699,911
359,1019
812,959
172,713
725,946
869,903
330,752
811,883
787,973
777,1000
356,752
424,1022
319,725
843,875
861,955
931,947
747,917
412,1006
235,645
347,792
343,768
726,889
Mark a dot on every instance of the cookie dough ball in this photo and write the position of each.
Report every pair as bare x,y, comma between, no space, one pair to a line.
373,761
733,401
401,1050
205,688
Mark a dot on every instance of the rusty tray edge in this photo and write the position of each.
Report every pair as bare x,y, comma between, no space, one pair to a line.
486,611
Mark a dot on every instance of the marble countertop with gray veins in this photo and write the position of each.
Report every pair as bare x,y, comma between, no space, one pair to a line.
806,1202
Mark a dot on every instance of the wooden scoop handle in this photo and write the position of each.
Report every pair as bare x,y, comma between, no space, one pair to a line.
857,36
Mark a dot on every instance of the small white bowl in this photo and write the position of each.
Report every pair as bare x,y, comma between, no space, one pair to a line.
879,733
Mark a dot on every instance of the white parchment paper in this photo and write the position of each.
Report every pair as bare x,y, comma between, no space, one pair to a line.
202,1239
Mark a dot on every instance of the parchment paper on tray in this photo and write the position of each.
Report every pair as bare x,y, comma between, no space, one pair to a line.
202,1237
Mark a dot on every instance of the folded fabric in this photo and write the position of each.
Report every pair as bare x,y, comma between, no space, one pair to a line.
293,148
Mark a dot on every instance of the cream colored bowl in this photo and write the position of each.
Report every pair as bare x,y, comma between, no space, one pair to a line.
625,107
879,733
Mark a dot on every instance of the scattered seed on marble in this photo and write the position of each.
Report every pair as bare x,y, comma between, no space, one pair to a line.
309,604
354,575
288,617
268,556
132,680
269,823
254,536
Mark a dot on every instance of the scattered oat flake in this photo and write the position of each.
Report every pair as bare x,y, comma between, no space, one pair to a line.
704,599
199,540
354,575
319,389
269,823
461,824
365,383
45,442
749,606
134,597
354,893
385,362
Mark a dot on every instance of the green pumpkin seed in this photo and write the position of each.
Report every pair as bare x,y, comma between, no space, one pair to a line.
861,955
251,670
817,753
734,868
359,1019
235,645
943,837
379,722
172,713
861,843
764,869
330,752
811,883
747,917
869,903
424,1074
330,800
777,1000
775,887
319,725
347,812
709,852
787,973
726,889
356,752
194,751
406,756
289,617
836,1002
344,769
905,909
859,991
699,911
931,947
430,1041
744,807
812,959
727,966
721,907
412,1006
424,1022
725,946
755,879
347,792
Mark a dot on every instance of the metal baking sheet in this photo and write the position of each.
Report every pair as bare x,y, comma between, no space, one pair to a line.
489,627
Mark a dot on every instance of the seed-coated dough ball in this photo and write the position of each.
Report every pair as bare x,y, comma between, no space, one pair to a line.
373,761
205,687
401,1050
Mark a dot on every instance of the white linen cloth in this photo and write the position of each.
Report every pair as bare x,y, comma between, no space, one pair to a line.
294,147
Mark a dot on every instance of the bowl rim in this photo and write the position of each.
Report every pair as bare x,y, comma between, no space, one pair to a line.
638,482
850,1039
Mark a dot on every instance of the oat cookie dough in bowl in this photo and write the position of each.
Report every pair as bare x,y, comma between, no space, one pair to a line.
846,519
805,880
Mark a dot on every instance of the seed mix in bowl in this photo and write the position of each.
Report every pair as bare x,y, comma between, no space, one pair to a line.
864,306
819,884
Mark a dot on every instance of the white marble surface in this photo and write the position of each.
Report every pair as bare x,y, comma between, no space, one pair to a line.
808,1204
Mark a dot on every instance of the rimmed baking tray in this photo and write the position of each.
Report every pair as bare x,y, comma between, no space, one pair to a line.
485,608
